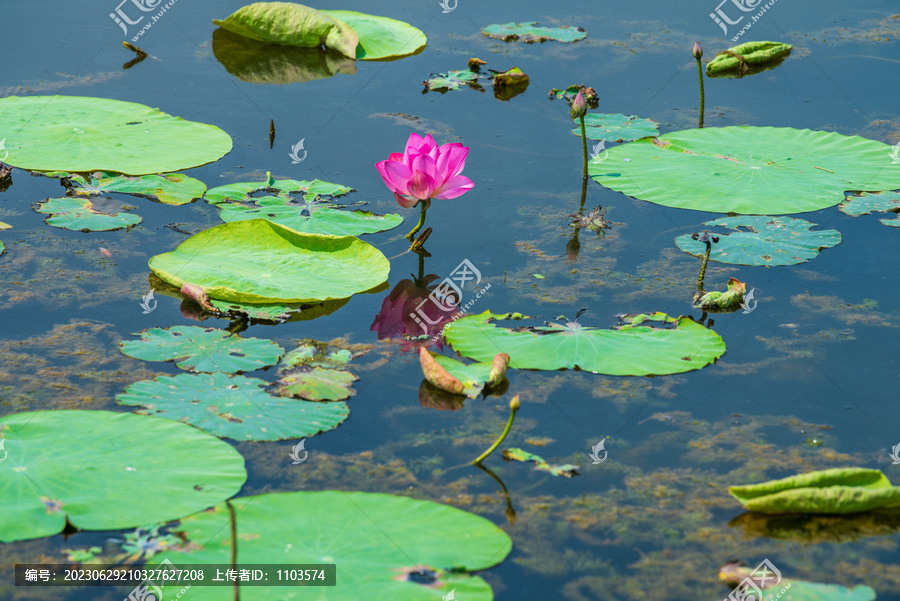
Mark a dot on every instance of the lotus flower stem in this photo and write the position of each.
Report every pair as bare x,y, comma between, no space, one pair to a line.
703,268
700,75
514,405
584,154
423,207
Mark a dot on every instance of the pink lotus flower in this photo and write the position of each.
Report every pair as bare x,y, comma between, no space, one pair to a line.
425,171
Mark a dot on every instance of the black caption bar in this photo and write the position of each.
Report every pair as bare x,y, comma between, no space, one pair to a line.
168,574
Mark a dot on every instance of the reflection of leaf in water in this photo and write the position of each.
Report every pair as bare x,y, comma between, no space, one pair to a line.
259,62
809,529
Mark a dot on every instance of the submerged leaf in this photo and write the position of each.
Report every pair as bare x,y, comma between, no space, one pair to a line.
769,241
80,134
79,214
835,491
566,470
291,24
616,127
530,33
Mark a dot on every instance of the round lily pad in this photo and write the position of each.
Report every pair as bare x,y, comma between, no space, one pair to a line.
312,218
203,349
748,170
258,261
79,214
531,32
385,547
669,346
81,134
232,407
616,127
102,470
769,241
380,37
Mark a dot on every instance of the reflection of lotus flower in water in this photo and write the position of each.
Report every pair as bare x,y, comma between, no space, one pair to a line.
408,313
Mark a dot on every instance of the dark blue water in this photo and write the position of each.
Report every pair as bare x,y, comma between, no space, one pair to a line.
815,360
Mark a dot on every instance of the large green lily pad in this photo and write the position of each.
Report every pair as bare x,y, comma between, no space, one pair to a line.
769,241
380,37
616,127
636,348
258,261
834,491
312,218
168,188
531,32
249,191
291,24
88,467
376,541
746,56
232,407
82,134
203,349
79,214
748,170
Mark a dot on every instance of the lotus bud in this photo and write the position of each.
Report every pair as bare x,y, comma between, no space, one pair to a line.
697,51
579,105
515,404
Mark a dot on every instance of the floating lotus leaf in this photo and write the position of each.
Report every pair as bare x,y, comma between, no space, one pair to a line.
249,191
451,80
313,218
376,540
748,55
262,62
81,134
873,202
566,470
616,127
168,188
232,407
676,345
748,170
89,468
457,377
717,300
381,37
79,214
773,587
530,32
318,355
203,349
291,24
316,384
258,261
769,241
834,491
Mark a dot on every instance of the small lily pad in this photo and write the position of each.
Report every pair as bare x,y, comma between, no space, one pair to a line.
203,349
769,241
457,377
873,202
381,38
451,80
566,470
717,300
232,407
316,383
616,127
833,491
747,55
318,355
248,191
531,32
168,188
79,214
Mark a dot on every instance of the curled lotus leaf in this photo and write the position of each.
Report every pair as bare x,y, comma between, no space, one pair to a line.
747,56
459,378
